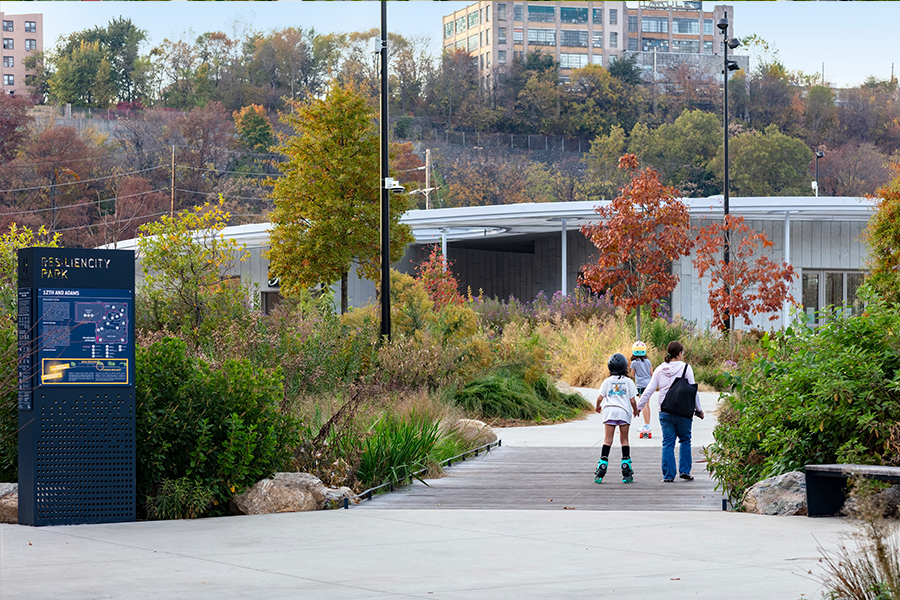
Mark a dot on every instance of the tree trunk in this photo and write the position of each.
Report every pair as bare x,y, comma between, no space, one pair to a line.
637,323
344,278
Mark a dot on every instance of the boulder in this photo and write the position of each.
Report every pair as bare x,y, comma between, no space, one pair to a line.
564,388
886,502
478,433
334,497
9,503
285,492
780,495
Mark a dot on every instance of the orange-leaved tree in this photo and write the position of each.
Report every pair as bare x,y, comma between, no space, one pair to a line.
439,282
883,238
750,283
643,231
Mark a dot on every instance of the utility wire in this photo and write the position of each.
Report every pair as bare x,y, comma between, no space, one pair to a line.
43,187
238,172
217,193
92,202
56,162
102,224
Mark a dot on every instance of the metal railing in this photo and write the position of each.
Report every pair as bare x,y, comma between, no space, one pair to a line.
367,494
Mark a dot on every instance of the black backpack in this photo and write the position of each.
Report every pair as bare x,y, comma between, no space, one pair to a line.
681,399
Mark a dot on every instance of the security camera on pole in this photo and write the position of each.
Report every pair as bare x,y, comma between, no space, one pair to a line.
729,65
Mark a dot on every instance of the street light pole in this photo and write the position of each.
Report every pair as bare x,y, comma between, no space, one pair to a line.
819,154
728,65
385,192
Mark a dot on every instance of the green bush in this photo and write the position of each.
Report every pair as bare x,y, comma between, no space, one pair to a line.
824,395
221,427
505,394
183,498
9,397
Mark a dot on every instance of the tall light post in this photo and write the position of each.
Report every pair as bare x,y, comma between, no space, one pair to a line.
819,154
729,65
386,184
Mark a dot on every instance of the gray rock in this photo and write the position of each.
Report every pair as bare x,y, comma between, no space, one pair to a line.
9,503
780,495
887,503
478,433
334,497
286,492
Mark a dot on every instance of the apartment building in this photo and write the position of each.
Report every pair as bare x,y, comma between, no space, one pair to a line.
22,35
579,33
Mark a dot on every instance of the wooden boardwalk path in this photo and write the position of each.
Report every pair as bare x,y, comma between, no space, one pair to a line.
555,478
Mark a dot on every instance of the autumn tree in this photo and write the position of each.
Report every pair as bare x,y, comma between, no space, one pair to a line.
14,121
486,178
327,203
253,128
187,264
750,283
883,239
602,176
643,231
83,77
852,169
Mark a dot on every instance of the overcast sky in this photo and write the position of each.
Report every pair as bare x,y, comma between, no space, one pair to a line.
848,37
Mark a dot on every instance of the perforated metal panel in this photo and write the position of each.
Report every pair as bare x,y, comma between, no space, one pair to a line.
85,463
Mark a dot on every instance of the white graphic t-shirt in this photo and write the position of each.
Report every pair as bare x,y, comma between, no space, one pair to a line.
617,392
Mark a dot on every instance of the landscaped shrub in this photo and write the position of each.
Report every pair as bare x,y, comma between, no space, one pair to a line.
218,426
824,395
505,394
579,350
9,408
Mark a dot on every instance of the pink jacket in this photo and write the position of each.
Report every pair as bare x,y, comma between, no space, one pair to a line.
663,377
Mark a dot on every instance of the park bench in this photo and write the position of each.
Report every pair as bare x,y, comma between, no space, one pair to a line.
826,485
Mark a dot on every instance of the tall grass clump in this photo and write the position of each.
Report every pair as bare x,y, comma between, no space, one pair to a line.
397,448
505,394
866,566
579,350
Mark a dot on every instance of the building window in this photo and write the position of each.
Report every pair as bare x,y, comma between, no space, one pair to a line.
460,25
518,12
460,44
30,27
473,43
501,57
487,36
613,16
541,37
655,25
573,15
8,80
572,61
632,24
838,290
651,44
632,44
518,35
501,35
7,25
8,44
448,30
707,27
480,39
597,59
598,39
707,47
517,54
541,14
597,16
613,40
686,46
473,19
8,62
686,26
572,38
31,44
481,58
487,14
501,12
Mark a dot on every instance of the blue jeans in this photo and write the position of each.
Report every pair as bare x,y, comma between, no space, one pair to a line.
672,427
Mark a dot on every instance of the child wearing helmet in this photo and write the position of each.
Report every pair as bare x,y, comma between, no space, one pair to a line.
616,405
642,371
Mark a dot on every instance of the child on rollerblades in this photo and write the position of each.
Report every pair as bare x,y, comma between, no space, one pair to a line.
616,404
641,371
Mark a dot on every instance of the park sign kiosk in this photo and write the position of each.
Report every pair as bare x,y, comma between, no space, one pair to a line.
76,386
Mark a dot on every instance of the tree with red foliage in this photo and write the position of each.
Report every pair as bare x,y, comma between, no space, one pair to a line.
750,283
14,121
643,230
439,282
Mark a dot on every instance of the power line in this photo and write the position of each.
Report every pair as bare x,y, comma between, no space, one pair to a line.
43,187
238,172
74,160
92,202
219,194
101,224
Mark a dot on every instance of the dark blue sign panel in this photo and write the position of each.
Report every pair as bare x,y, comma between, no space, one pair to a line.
84,337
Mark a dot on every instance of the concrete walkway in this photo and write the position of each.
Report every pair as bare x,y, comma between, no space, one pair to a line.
449,554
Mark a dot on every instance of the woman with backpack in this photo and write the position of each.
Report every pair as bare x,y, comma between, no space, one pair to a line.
673,426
